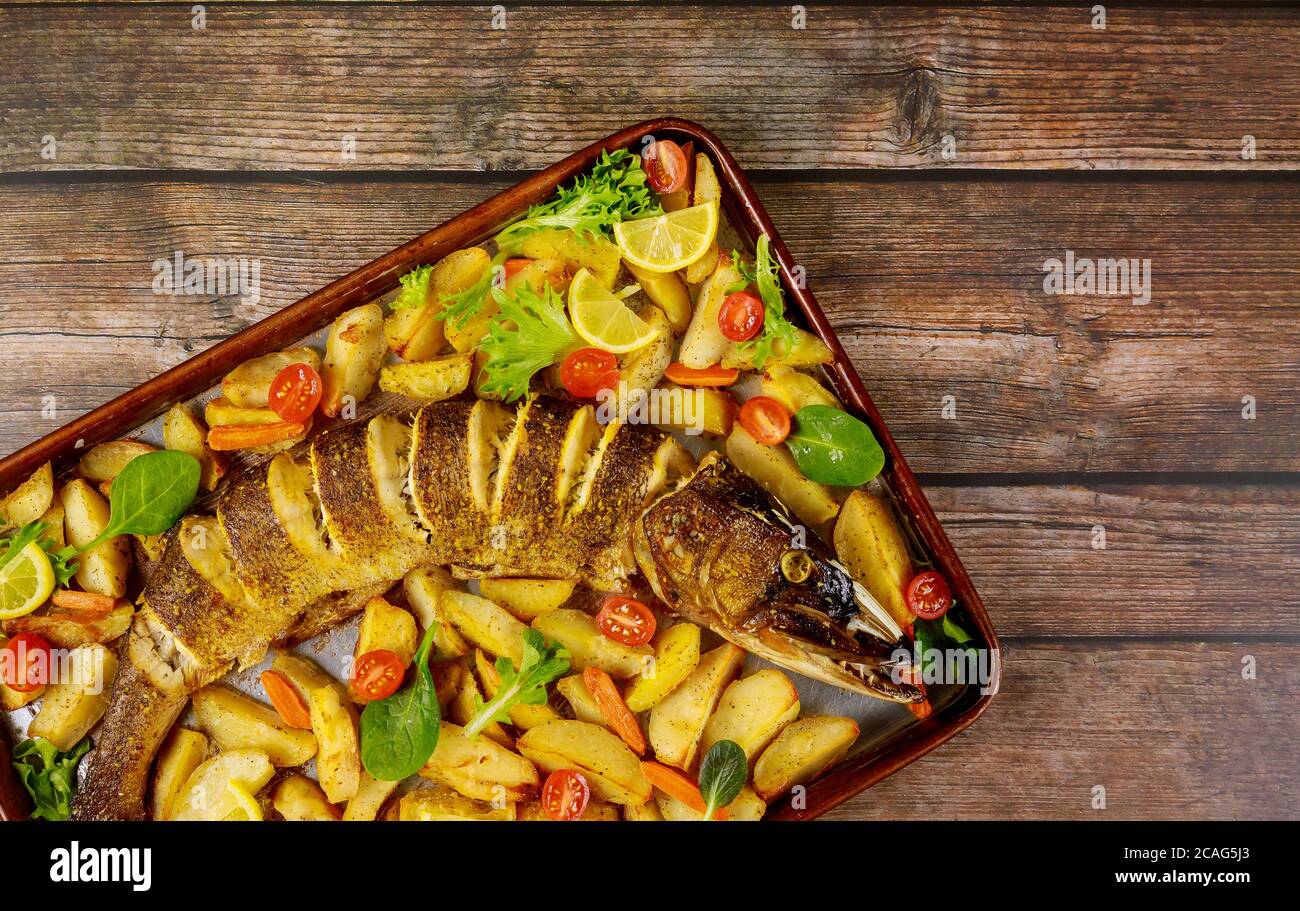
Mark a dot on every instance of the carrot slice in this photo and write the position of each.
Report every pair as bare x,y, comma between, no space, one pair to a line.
286,700
84,602
516,263
675,784
241,436
716,375
610,702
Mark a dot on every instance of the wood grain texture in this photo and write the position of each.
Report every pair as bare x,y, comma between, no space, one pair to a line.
278,87
943,275
1171,731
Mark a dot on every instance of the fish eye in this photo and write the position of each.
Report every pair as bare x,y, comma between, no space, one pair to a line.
796,565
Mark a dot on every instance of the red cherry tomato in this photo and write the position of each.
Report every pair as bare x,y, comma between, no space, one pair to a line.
565,795
26,662
626,620
377,674
587,371
765,419
665,166
928,596
741,316
295,393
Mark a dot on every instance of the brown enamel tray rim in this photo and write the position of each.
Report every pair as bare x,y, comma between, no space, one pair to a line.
126,412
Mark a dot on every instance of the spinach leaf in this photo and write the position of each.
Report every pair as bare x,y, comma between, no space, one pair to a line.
150,494
400,733
722,774
49,775
831,446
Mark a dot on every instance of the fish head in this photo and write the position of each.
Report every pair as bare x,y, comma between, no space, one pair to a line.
723,553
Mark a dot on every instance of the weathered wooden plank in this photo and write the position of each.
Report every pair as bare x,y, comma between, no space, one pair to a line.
935,284
1169,731
273,87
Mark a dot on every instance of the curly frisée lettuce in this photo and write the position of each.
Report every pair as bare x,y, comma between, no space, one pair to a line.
530,333
415,288
60,558
763,275
614,191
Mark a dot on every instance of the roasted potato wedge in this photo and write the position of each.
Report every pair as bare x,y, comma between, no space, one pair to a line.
71,708
105,462
869,543
236,722
479,769
338,757
299,799
677,722
595,253
417,333
249,384
385,626
423,588
527,599
104,568
807,351
222,412
711,412
353,353
428,381
668,292
704,344
612,770
645,367
588,646
370,797
181,753
747,807
485,624
30,500
706,189
182,431
442,804
303,674
213,792
801,752
776,472
596,811
796,390
53,519
752,711
646,812
677,653
581,702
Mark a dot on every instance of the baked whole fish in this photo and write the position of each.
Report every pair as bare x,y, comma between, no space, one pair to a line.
300,543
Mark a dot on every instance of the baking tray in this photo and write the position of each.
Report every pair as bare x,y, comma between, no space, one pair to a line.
891,738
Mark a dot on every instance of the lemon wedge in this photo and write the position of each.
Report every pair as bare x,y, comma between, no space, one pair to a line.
26,581
245,807
668,242
601,317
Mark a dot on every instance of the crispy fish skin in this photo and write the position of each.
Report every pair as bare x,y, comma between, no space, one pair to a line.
715,551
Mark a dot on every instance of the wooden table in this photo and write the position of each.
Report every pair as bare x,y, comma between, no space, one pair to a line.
925,163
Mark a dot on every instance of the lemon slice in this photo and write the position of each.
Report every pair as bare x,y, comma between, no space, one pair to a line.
602,318
668,242
25,582
245,806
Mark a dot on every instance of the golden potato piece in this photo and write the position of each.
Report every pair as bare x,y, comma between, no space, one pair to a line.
581,702
588,646
527,599
299,799
353,353
388,627
752,711
182,752
338,758
703,345
596,811
776,472
595,253
370,797
423,588
106,461
677,721
102,569
668,292
677,653
236,722
612,770
249,384
428,381
480,768
870,545
646,812
212,792
698,410
183,433
30,500
808,351
801,752
442,804
72,707
485,624
796,390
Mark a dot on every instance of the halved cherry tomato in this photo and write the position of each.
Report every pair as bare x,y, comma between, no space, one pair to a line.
25,662
675,784
741,316
565,795
611,704
226,437
83,602
626,620
928,596
921,709
765,419
665,166
288,701
295,392
515,263
715,375
377,674
587,371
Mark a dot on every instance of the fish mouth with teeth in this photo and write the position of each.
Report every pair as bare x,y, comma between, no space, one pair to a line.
722,553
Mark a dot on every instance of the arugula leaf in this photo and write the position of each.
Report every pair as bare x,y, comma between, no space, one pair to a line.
763,275
49,775
400,733
530,333
35,531
415,288
615,190
722,774
541,664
